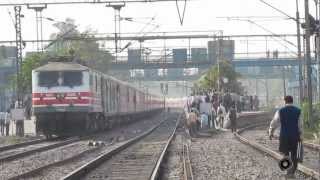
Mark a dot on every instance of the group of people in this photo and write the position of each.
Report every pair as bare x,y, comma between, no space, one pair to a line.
212,110
203,113
4,123
10,116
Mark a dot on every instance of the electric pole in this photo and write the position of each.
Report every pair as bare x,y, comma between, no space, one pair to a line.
17,15
308,60
117,25
299,53
38,9
284,81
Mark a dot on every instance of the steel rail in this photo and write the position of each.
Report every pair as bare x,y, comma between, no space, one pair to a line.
312,146
307,171
156,169
40,149
81,171
17,145
36,171
187,168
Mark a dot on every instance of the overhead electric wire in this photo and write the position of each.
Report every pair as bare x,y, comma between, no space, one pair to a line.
280,11
267,30
141,31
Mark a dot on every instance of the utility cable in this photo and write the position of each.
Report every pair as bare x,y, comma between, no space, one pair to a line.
274,34
280,11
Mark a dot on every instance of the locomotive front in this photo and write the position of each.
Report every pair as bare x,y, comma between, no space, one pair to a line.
60,97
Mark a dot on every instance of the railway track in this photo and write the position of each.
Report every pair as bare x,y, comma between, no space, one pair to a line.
30,174
258,139
58,162
13,152
138,158
18,145
187,167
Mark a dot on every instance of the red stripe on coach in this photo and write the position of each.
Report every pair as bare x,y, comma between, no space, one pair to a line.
82,94
63,101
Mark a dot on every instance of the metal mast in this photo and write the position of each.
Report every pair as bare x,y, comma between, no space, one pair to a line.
17,13
299,54
308,60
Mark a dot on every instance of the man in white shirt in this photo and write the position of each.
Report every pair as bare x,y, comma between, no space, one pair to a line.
206,108
221,113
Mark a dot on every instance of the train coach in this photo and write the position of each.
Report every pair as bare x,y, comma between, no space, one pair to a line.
69,98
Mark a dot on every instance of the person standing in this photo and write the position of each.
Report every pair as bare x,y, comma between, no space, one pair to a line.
206,108
192,122
7,122
233,118
251,103
2,114
221,113
291,131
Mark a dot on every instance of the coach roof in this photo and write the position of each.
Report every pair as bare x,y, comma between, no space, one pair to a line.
61,66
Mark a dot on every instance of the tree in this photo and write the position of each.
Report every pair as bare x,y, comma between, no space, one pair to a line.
84,50
228,78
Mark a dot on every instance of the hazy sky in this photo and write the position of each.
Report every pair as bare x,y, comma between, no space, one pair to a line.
201,15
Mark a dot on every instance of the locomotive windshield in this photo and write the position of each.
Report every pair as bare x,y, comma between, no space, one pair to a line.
48,79
55,78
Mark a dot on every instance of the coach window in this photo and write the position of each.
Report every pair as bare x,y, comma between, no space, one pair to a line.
118,92
134,97
128,94
91,80
96,80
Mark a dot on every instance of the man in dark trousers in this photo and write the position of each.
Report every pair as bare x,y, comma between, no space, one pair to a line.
291,131
233,118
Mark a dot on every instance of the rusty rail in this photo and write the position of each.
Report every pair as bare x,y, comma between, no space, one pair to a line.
307,171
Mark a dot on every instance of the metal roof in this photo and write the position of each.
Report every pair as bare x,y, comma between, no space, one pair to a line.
62,66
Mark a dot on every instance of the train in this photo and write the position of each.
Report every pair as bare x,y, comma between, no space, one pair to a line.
70,98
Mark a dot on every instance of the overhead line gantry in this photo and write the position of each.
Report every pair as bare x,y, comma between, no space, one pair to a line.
52,2
155,37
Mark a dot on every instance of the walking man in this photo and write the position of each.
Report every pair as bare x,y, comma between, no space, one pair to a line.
291,131
7,122
233,118
2,114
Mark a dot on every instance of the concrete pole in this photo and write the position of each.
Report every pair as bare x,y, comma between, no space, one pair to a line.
308,60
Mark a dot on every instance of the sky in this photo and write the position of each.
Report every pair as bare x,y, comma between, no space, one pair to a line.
200,15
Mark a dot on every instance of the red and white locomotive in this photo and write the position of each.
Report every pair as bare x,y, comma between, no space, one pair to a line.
70,98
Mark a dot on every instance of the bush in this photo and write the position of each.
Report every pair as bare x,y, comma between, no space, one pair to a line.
311,130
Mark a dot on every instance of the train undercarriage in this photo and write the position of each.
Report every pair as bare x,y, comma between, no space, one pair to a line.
81,123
